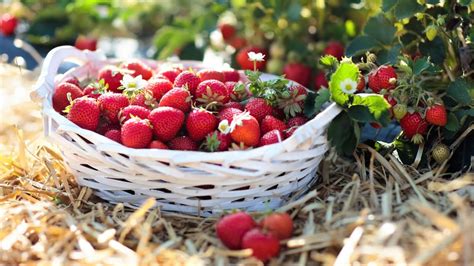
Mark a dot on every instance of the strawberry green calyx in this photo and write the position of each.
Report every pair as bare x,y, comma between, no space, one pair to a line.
239,92
417,139
211,143
292,105
212,99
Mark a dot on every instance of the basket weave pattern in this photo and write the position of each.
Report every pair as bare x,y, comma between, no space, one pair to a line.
189,182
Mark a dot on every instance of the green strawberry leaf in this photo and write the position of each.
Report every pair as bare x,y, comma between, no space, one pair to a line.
346,70
421,65
453,123
309,104
380,29
322,98
435,49
406,8
377,106
389,56
314,102
342,134
361,44
360,113
459,91
387,5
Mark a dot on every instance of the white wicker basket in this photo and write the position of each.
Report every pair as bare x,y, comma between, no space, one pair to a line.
189,182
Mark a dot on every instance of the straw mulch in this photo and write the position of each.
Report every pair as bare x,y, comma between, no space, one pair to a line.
372,211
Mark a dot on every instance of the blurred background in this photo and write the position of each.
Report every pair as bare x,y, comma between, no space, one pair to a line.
289,32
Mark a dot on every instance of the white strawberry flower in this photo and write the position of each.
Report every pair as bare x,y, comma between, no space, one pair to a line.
348,86
224,127
256,57
133,83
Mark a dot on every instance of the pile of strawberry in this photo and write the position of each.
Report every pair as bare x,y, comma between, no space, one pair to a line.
414,110
181,109
240,231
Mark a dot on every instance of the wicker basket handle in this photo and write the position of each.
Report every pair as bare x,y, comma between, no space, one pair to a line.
45,84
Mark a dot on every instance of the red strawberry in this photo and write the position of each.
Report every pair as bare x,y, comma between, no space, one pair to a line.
436,115
296,121
170,74
138,68
95,89
295,103
227,31
91,92
320,81
132,111
144,99
298,72
72,80
246,130
187,79
387,77
278,224
166,121
84,112
8,24
114,134
159,87
242,58
264,246
272,136
361,83
111,104
212,92
112,77
136,133
293,123
228,114
278,113
230,86
238,42
290,131
231,75
258,108
235,105
383,77
156,144
335,49
178,98
104,127
183,143
413,124
237,90
207,74
269,123
231,229
200,123
217,141
60,96
85,43
374,82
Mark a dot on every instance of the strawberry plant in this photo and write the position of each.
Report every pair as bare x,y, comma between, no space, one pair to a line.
428,46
